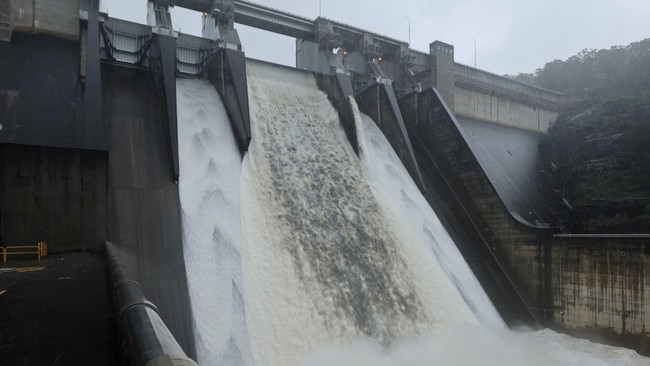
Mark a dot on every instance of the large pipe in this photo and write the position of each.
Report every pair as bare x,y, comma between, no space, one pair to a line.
144,337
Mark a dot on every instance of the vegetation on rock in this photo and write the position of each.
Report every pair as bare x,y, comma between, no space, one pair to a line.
599,148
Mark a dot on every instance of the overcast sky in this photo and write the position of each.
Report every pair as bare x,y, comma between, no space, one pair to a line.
511,36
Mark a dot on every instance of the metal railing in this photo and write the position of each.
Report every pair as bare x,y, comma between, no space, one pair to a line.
40,250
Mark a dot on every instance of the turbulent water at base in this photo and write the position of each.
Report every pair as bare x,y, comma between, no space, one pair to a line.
305,254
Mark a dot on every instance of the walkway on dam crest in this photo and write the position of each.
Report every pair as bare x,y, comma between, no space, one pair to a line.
56,311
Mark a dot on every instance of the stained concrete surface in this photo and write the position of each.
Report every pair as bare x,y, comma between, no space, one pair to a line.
56,311
143,207
510,158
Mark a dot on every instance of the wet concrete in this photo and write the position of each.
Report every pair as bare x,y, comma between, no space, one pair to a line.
56,311
510,158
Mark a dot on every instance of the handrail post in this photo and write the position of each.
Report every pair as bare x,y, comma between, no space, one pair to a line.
41,250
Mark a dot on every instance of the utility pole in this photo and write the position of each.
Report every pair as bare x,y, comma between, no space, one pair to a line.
320,7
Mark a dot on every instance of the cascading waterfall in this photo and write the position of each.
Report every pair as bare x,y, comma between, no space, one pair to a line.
303,253
394,186
209,193
328,264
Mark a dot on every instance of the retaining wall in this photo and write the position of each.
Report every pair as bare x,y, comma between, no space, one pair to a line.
600,288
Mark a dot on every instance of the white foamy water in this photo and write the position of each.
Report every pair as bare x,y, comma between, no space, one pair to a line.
328,264
473,345
210,171
487,344
308,255
394,187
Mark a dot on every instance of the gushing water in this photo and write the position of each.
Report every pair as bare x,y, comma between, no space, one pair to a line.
394,187
305,254
329,264
209,192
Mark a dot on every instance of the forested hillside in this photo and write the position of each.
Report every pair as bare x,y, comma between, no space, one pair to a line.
599,74
598,151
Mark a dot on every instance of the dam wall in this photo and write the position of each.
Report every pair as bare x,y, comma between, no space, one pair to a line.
478,94
485,96
53,169
599,285
60,18
76,181
52,194
144,209
591,286
40,82
86,155
468,91
506,255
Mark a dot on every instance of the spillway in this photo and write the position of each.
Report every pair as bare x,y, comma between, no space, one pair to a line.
302,253
209,193
327,264
392,183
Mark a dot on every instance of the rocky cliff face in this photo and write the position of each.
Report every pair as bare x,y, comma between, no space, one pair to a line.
599,158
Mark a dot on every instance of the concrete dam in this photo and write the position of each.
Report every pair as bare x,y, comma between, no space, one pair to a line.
373,192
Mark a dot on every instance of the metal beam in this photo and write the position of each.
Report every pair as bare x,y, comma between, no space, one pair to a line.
274,20
278,21
203,6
